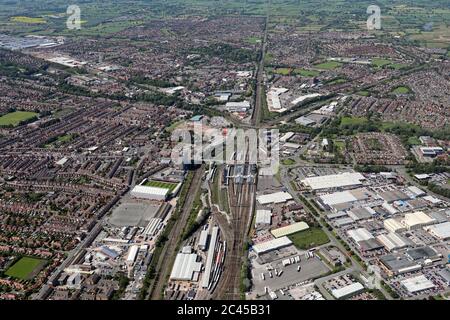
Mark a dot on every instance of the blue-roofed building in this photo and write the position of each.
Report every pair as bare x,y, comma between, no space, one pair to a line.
197,118
112,254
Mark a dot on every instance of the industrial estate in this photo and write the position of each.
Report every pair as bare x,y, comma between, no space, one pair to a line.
343,194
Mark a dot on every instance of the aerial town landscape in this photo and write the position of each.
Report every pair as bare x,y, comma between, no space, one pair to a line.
339,189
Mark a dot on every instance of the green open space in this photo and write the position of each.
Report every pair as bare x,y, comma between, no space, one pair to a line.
414,141
288,162
363,93
307,73
329,65
253,40
378,62
310,238
25,268
29,20
16,117
353,121
161,184
401,90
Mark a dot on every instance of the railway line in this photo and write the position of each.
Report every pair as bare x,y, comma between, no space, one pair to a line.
241,200
169,252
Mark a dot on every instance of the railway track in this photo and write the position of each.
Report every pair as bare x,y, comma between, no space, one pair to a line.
236,234
169,252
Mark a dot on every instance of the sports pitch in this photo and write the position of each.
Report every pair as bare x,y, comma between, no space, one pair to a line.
161,184
26,268
16,117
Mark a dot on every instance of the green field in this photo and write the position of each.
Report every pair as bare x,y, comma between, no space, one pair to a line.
414,141
377,62
401,90
28,20
253,40
363,93
25,268
288,162
283,71
339,144
310,238
345,121
161,184
307,73
337,81
65,138
330,65
16,117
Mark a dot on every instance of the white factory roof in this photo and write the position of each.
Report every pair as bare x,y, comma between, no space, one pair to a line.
290,229
263,217
287,136
305,97
290,145
184,267
417,218
393,225
359,234
392,241
241,104
422,176
416,191
338,197
202,242
271,245
132,254
389,208
432,199
416,284
278,197
334,180
441,230
62,161
347,290
150,190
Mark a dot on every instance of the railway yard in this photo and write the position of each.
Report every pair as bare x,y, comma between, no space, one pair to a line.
340,190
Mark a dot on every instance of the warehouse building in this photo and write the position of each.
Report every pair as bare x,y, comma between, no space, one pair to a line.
150,193
422,253
417,284
347,291
392,241
210,257
361,213
393,225
263,218
277,197
203,240
416,220
343,180
237,106
271,245
445,275
132,255
440,231
360,234
397,264
290,229
186,267
416,191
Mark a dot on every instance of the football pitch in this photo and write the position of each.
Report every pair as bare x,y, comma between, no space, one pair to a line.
25,268
16,117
